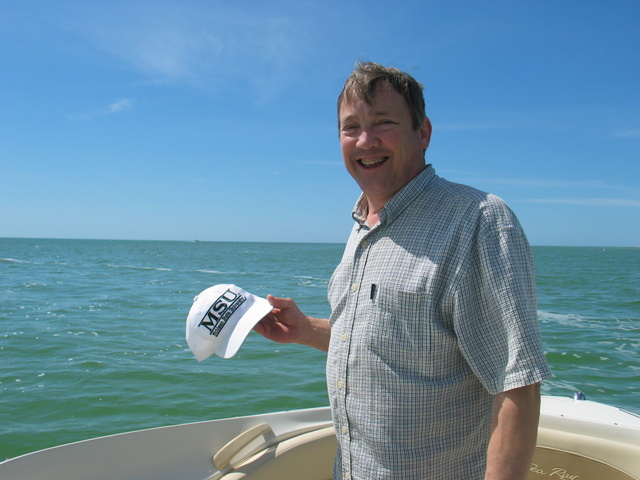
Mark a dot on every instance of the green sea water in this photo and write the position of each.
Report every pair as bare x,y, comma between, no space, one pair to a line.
92,333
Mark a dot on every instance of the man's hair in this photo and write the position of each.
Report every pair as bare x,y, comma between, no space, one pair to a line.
363,82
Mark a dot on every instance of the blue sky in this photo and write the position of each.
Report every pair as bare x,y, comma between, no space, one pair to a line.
211,120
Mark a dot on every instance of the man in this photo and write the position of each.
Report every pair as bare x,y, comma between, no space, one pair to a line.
435,355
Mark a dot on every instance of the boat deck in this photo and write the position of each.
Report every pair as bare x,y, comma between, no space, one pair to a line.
577,440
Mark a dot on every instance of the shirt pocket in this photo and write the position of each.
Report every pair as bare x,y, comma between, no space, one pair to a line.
405,331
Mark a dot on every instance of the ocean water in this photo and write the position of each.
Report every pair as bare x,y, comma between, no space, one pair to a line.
92,333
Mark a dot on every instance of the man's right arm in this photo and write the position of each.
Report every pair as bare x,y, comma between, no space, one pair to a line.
287,324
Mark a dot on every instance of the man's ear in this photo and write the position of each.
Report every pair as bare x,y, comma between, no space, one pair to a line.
425,133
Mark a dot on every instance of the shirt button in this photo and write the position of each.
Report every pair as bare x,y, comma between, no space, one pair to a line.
340,384
347,476
345,430
364,244
354,287
344,337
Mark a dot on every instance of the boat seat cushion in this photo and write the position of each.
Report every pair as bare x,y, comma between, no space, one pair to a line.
308,456
563,455
573,456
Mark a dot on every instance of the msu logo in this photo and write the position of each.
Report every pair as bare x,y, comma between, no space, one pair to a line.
220,312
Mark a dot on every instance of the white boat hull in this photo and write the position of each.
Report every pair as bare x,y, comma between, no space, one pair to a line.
578,440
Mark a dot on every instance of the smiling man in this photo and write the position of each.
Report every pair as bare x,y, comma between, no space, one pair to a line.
434,352
382,148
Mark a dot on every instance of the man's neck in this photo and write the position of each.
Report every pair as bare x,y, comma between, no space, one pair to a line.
373,212
372,219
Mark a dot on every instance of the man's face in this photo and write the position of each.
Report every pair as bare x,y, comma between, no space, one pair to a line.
380,148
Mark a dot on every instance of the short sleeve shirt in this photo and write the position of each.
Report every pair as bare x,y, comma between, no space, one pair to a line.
433,313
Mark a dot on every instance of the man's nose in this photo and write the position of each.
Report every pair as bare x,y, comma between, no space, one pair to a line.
368,138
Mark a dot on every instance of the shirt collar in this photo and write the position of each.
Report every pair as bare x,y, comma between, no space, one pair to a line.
399,201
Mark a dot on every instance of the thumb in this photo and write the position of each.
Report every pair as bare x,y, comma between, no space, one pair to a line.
280,303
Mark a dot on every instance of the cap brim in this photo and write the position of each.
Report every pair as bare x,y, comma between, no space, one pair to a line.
232,344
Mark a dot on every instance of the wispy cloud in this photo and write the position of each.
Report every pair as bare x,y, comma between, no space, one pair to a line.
470,177
590,202
116,107
552,186
478,126
332,163
548,183
119,106
212,48
633,133
599,122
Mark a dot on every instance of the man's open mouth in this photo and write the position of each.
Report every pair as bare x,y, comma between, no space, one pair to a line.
372,162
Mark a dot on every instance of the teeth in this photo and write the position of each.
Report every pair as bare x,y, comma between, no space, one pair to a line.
367,162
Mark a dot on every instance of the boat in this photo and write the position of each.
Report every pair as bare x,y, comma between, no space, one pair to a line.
577,440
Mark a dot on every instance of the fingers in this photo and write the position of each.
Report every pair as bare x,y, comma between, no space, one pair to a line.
285,322
267,326
259,327
280,303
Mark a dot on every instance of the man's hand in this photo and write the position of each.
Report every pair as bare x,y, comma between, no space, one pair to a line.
287,324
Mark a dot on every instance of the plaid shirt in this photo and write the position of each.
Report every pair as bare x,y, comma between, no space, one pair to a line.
433,313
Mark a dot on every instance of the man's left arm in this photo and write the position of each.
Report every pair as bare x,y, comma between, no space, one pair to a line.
514,431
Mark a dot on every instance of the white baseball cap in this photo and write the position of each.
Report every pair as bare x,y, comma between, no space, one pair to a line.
220,319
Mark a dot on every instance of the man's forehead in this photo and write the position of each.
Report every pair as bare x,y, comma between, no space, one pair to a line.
385,101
